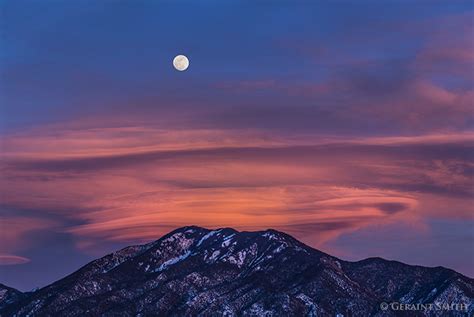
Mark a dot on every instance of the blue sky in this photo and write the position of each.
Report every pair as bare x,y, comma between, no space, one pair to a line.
340,122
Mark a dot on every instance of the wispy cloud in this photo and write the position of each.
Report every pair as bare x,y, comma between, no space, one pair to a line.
6,259
133,184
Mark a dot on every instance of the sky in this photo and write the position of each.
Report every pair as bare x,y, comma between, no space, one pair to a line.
347,124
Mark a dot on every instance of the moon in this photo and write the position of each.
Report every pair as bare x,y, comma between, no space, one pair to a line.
181,63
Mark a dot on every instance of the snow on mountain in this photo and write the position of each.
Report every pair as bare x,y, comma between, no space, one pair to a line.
194,271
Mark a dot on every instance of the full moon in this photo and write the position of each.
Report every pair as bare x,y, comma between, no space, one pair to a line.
181,63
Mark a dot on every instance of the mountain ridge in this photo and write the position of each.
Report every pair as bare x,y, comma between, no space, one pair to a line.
198,271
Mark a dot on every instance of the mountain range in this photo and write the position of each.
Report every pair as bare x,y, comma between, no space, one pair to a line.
193,271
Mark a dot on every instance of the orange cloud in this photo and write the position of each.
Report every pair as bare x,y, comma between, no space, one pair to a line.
136,183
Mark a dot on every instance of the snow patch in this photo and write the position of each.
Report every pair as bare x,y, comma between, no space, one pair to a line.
214,255
308,303
229,237
178,240
280,248
226,243
238,259
172,261
270,235
207,236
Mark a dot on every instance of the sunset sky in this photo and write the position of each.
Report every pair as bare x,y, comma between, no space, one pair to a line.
347,124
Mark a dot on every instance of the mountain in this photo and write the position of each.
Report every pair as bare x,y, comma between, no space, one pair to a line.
9,295
194,271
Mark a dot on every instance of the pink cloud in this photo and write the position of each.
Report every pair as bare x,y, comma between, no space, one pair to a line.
14,229
7,259
136,183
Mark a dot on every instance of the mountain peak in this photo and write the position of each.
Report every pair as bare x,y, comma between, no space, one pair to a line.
224,245
270,234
